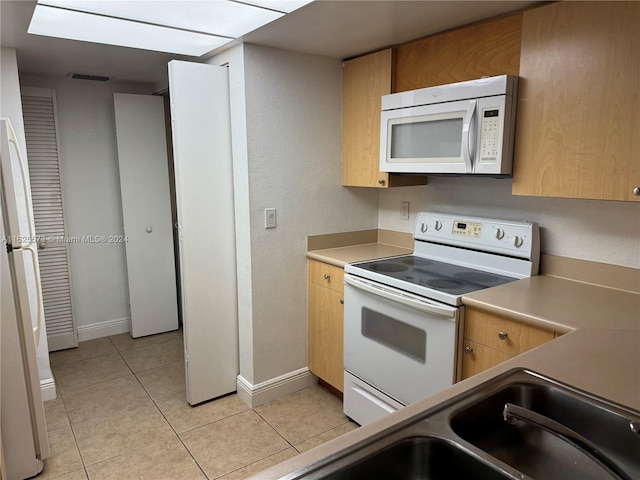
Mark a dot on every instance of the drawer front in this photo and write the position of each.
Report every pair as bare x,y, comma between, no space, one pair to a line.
503,334
326,275
477,358
364,403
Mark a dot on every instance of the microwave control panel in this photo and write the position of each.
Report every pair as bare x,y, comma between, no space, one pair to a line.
490,135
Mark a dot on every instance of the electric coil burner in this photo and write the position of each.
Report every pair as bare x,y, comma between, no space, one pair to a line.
403,318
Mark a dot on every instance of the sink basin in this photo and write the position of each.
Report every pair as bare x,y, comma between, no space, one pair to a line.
518,426
424,458
536,451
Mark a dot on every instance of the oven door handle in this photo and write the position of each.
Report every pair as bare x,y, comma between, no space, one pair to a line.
421,304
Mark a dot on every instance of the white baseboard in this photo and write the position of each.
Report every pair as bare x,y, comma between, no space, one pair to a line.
48,389
103,329
263,392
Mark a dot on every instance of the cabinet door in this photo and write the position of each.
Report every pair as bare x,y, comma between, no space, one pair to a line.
578,115
468,53
503,334
326,275
326,355
365,80
477,358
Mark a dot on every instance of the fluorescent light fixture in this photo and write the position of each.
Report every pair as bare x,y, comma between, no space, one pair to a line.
185,27
56,22
286,6
222,18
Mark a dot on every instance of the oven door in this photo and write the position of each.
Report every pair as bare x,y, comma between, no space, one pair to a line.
398,342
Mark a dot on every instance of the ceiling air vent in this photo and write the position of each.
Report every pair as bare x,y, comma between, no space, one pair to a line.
84,76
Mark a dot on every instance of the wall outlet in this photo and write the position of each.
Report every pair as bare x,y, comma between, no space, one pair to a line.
269,218
404,210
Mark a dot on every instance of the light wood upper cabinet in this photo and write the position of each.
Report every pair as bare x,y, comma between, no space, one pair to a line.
325,322
578,126
365,79
487,48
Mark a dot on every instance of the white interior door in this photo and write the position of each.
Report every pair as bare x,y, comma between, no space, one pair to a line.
146,209
200,122
47,195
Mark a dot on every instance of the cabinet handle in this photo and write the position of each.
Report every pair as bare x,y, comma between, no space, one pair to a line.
468,350
381,181
636,191
503,335
327,276
342,301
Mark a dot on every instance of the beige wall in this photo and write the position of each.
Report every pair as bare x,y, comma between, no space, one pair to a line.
594,230
89,166
286,109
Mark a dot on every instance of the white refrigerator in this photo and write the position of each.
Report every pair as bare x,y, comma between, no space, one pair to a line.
23,432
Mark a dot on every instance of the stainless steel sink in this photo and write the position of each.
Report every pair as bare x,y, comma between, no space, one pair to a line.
420,457
552,431
518,426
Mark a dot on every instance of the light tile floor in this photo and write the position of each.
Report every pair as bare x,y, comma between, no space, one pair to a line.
121,413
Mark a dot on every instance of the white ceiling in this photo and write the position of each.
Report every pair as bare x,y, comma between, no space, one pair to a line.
335,28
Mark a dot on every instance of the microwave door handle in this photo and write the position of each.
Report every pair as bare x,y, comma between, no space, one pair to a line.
466,148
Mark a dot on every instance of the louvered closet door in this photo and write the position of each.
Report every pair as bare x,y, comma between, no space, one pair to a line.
38,106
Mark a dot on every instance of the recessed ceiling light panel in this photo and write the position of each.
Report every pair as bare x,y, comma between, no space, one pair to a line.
286,6
217,17
62,23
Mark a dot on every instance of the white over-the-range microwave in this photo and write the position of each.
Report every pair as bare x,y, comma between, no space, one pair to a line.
459,128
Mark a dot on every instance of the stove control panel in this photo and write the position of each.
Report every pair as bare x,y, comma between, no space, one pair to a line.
468,229
515,239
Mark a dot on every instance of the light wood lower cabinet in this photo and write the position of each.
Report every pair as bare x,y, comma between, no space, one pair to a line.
490,339
325,322
478,357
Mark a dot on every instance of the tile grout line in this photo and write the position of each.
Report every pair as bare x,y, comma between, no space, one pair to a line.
84,465
134,449
274,429
257,461
81,359
75,440
178,435
302,441
153,400
192,457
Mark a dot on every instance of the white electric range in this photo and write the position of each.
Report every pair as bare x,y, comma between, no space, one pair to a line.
403,318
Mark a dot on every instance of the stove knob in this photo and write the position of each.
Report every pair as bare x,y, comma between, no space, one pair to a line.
517,241
499,233
438,225
423,227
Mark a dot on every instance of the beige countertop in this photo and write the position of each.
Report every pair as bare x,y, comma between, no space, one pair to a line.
560,304
340,256
600,354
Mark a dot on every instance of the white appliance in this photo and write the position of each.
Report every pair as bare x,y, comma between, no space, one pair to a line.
460,128
23,428
403,316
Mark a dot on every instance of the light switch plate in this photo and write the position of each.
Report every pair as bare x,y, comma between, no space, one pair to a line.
404,210
269,218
